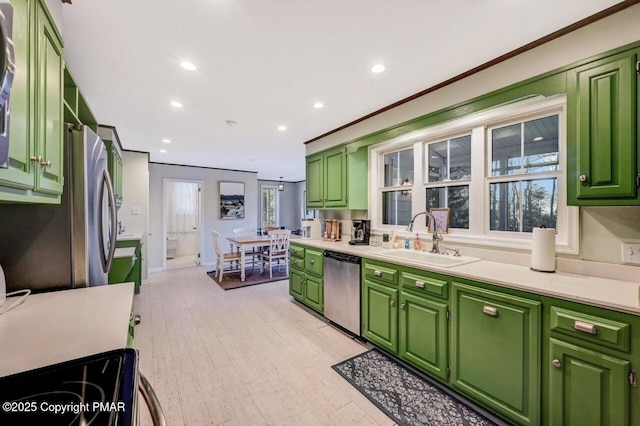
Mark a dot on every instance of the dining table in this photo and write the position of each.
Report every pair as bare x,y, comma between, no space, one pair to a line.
245,243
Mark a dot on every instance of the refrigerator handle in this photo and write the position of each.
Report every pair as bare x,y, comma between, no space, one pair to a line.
114,220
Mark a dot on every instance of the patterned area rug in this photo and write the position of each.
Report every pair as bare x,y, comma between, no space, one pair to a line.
404,396
231,280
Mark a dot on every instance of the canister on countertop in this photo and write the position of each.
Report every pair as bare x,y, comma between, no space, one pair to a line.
543,249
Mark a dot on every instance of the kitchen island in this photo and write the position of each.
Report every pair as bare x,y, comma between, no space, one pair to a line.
50,328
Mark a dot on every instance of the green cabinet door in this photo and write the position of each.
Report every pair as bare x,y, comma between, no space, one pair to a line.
296,282
587,387
49,93
314,293
495,351
19,173
335,178
602,120
423,334
315,181
379,315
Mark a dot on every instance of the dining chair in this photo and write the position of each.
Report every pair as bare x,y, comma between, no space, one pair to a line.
254,252
277,250
222,258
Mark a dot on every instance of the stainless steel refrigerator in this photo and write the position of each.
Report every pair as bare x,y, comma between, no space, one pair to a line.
49,247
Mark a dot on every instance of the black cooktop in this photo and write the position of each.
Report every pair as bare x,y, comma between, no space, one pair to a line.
97,390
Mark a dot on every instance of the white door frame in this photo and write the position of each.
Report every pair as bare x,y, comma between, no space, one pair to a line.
165,219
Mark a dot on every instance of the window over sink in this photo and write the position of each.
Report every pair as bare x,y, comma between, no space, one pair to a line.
501,172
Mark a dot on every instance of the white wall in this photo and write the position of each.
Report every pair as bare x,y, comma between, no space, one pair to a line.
602,230
210,202
55,8
135,188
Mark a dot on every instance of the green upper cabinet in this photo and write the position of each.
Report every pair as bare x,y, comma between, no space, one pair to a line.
36,129
337,179
496,351
602,119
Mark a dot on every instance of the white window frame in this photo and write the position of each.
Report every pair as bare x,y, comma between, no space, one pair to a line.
567,239
262,188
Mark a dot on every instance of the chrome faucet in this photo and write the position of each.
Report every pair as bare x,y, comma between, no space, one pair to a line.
437,237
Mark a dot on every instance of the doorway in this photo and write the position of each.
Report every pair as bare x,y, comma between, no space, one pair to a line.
182,223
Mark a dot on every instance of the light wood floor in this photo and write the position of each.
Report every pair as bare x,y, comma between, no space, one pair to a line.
248,356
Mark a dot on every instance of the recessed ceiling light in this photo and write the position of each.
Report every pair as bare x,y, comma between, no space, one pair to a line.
166,140
378,68
188,66
282,128
163,151
176,104
539,138
318,105
231,123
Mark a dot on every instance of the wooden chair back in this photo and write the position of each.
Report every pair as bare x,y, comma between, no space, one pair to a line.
279,241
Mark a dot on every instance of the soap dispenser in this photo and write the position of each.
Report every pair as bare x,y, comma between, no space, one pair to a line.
417,244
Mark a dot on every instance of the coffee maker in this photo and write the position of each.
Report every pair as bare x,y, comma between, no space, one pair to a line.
361,232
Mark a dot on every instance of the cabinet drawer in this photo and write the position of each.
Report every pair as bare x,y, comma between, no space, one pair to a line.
296,251
296,262
591,328
425,284
380,273
313,262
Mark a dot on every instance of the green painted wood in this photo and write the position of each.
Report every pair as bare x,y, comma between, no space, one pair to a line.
314,293
380,316
424,283
296,284
296,251
613,334
314,262
496,359
20,173
135,275
358,180
380,271
49,111
121,267
588,388
423,334
315,181
335,178
602,120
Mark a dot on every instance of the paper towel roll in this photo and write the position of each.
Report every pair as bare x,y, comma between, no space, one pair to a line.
543,250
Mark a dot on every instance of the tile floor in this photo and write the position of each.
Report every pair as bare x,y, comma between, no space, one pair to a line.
248,356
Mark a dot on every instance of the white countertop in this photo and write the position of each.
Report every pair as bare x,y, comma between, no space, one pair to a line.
124,252
49,328
608,293
128,237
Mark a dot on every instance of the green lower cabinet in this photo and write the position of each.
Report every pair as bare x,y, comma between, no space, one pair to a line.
135,274
423,334
296,282
121,267
314,293
495,351
379,315
587,387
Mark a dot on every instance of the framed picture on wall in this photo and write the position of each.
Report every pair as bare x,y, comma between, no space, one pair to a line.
231,200
442,220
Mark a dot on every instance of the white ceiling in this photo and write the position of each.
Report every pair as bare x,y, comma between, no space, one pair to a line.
263,63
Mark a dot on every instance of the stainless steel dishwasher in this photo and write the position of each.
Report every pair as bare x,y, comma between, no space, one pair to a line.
342,290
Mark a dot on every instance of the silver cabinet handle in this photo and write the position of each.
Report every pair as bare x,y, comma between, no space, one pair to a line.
392,303
490,310
420,284
402,305
585,327
150,397
46,164
556,363
35,159
377,273
312,261
583,178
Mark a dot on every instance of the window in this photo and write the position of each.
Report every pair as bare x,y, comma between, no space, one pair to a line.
448,166
500,172
396,197
269,201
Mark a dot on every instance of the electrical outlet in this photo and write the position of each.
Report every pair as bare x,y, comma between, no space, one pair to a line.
631,253
135,211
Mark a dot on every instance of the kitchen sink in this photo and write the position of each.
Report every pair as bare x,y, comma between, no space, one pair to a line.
433,259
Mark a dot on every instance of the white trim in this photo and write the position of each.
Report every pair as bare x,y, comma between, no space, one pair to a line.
154,270
478,125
